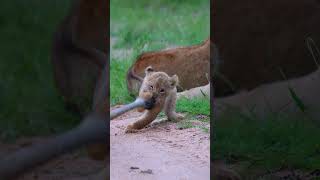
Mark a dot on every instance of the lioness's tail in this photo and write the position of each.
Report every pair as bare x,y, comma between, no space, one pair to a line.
131,76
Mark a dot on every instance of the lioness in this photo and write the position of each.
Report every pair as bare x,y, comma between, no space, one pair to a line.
183,61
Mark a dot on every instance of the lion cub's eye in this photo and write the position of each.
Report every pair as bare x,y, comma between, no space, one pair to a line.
150,87
161,90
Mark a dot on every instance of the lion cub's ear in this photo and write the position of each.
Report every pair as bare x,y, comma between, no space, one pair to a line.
174,81
148,70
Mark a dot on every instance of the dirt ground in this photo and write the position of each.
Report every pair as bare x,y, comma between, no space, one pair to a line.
160,151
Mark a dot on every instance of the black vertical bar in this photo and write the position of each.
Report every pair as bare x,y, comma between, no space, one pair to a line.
212,34
108,81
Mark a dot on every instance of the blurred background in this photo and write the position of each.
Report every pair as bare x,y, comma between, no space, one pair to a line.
29,102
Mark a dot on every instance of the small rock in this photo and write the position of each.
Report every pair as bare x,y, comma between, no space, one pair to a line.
201,116
148,171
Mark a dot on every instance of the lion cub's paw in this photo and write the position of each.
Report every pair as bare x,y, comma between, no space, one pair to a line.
130,129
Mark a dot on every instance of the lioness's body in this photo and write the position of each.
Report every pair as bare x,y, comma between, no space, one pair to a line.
277,98
191,63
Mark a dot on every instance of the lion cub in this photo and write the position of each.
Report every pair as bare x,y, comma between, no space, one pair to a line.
160,89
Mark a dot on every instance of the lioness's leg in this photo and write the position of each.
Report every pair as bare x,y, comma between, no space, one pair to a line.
170,106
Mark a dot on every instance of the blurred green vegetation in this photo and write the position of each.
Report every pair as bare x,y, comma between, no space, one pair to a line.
279,141
29,102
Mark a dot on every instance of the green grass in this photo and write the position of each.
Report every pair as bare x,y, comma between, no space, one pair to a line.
159,23
196,106
197,113
152,25
118,88
29,103
269,144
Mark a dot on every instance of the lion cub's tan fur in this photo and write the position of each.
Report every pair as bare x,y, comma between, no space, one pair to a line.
162,88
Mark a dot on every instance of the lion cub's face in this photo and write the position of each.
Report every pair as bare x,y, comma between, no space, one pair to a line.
157,85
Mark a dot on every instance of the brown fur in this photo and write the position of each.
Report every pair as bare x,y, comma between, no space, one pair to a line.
258,38
162,88
182,61
79,54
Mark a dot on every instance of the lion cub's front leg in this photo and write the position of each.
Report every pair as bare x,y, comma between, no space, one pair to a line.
170,106
144,120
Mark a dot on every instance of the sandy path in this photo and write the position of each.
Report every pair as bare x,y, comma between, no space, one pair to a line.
161,151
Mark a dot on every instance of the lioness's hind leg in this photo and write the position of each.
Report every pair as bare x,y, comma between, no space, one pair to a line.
170,107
